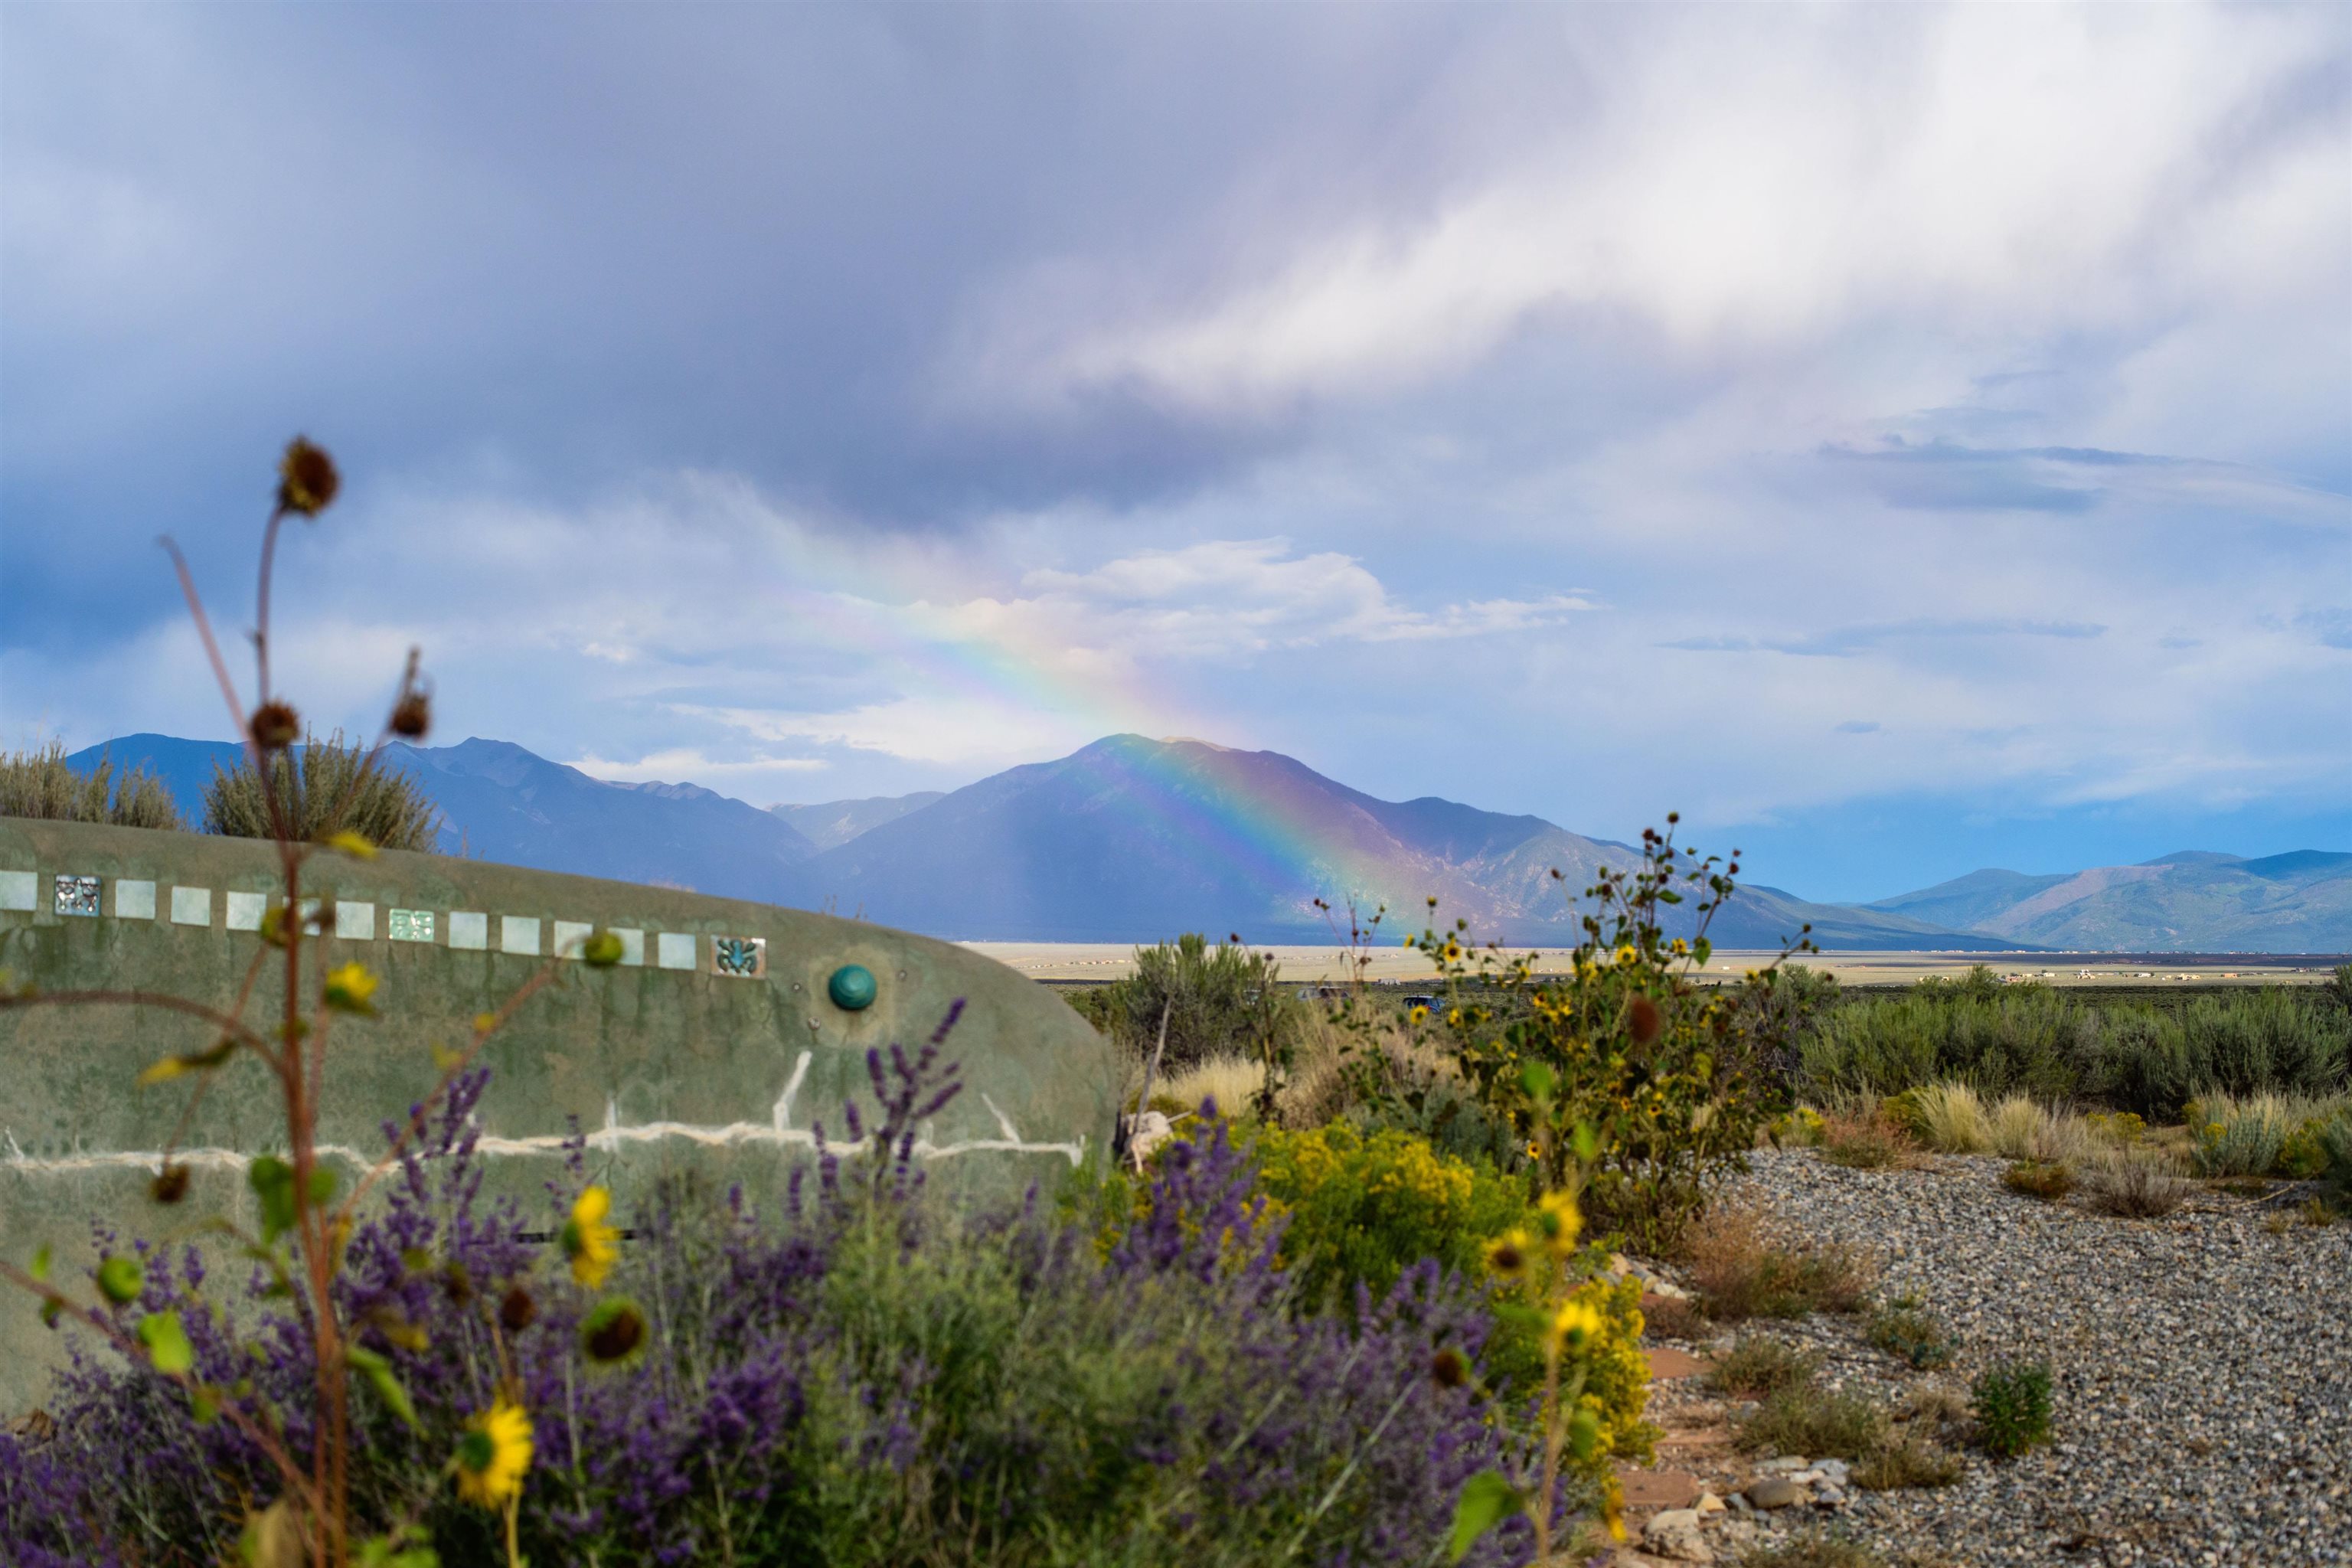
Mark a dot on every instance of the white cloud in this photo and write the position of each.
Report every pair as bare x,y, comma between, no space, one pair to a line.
1762,181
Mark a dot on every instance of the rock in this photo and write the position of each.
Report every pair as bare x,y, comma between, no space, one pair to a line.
1833,1471
1784,1464
1739,1504
1775,1491
1829,1494
1710,1503
1675,1534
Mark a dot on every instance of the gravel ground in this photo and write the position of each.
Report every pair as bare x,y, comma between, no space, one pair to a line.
2203,1367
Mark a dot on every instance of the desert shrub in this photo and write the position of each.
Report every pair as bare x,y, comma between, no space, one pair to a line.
2056,1046
1219,1002
2333,1139
1671,1079
1866,1140
38,783
1739,1274
1903,1327
2133,1183
2047,1180
324,787
1809,1419
2123,1127
1802,1127
1899,1463
2240,1137
1362,1209
1757,1364
860,1378
1946,1117
2011,1402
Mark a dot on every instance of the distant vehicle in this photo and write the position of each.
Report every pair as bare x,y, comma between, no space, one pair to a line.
1431,1003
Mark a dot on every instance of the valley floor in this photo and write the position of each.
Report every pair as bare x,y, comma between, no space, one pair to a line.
2202,1365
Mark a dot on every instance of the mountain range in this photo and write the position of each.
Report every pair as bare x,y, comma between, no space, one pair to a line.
1134,839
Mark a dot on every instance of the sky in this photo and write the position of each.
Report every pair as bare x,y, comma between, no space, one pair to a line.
1901,439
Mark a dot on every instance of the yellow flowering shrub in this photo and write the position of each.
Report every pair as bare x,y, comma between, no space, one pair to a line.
1363,1208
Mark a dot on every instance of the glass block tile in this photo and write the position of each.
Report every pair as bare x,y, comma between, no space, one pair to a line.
519,934
77,895
675,950
743,957
570,936
354,921
470,930
19,890
192,906
134,901
245,909
633,945
411,925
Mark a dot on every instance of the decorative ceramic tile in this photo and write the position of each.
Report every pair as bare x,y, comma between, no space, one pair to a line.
245,910
633,945
743,957
192,906
19,890
519,934
411,925
470,930
77,895
570,936
354,921
309,916
675,950
134,901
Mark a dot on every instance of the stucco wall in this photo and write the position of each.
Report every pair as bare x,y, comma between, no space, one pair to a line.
660,1067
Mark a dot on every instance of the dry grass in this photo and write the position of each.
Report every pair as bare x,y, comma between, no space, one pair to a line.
1811,1550
2022,1130
1229,1080
1909,1460
1867,1139
1669,1318
2045,1179
2133,1183
1821,1423
1757,1364
1739,1274
1949,1119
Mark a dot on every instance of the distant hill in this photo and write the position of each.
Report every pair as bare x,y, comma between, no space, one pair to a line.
1132,838
2193,901
504,804
837,822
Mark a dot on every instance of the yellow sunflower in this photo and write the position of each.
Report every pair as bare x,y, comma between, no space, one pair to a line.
494,1455
1558,1221
1506,1256
590,1244
1576,1325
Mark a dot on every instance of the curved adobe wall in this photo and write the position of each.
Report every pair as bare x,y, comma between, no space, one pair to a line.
666,1062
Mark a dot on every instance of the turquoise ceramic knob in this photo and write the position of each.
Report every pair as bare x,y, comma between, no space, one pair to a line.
852,987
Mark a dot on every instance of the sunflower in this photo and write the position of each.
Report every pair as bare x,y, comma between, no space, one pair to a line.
494,1455
1506,1256
588,1241
352,989
307,480
1576,1325
1420,1014
1558,1221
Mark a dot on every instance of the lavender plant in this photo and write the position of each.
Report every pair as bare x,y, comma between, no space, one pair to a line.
850,1374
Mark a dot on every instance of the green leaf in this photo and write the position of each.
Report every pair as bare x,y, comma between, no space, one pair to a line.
1487,1499
1701,951
167,1343
41,1264
379,1374
119,1279
1587,1142
204,1404
1537,1079
272,1181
